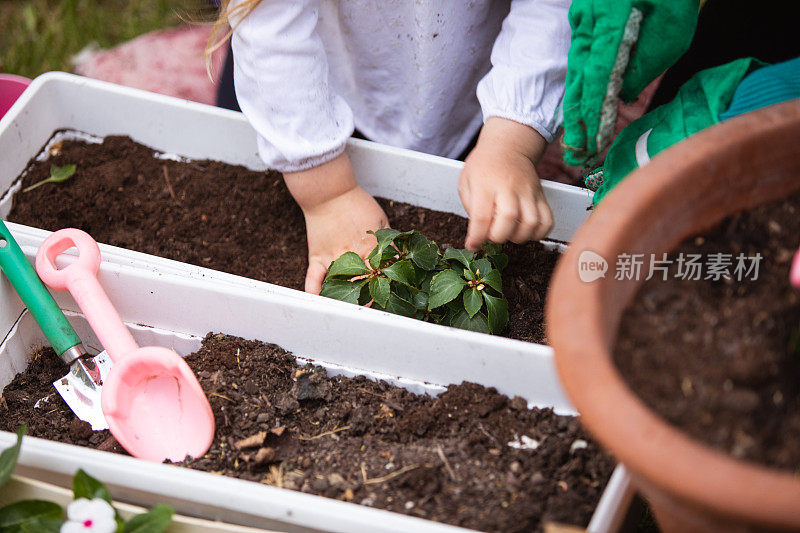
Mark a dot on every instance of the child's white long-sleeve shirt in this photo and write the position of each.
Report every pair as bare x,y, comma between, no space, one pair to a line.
404,72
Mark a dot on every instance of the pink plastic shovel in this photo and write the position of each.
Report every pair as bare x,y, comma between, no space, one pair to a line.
152,401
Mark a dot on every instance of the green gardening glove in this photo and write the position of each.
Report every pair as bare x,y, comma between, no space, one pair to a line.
618,47
700,103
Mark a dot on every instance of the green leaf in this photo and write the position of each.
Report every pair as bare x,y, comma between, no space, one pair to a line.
481,267
42,525
403,291
498,313
491,248
348,265
378,258
379,290
57,175
500,261
401,272
495,254
455,305
477,323
473,301
423,251
364,296
13,517
465,257
385,236
85,486
425,283
399,306
156,520
384,249
445,286
341,289
493,280
420,300
8,459
374,257
469,275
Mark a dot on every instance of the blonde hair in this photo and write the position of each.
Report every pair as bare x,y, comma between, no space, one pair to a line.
214,42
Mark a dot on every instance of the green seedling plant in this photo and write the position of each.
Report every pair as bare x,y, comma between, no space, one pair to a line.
57,175
406,274
90,510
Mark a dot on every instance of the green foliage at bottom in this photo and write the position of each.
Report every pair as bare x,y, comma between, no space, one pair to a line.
39,516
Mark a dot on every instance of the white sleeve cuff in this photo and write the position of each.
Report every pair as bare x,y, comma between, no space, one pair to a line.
278,161
529,66
527,119
281,82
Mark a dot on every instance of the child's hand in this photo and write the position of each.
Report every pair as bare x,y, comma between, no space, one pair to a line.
338,214
499,186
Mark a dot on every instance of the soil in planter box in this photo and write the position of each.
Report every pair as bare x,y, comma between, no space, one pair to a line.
469,456
231,219
721,359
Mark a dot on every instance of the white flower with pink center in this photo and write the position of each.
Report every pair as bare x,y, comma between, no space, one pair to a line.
89,516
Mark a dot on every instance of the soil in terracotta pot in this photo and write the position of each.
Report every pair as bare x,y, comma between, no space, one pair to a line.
468,456
721,359
231,219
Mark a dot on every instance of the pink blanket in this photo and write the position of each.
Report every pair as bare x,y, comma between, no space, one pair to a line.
169,62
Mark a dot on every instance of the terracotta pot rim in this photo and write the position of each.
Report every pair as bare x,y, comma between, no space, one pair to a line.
652,448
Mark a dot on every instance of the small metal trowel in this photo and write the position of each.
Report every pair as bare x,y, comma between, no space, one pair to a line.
81,387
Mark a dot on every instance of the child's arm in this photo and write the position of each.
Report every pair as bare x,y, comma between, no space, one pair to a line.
338,214
521,98
281,79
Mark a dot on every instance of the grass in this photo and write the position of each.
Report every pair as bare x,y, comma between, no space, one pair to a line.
37,36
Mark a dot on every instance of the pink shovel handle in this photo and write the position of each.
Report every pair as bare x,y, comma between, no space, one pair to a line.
80,280
794,276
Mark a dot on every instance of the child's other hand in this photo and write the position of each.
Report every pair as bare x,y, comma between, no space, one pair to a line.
500,188
338,214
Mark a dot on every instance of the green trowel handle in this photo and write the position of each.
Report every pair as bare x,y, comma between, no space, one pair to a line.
34,294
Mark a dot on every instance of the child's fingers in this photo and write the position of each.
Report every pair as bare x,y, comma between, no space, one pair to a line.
545,219
529,220
464,193
480,219
506,218
315,276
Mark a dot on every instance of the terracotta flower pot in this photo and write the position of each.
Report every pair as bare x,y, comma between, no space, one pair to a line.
734,166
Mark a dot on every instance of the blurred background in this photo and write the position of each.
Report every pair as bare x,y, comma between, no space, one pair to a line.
149,44
41,35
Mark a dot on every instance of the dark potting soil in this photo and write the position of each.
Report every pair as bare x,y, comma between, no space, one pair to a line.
446,458
232,219
721,359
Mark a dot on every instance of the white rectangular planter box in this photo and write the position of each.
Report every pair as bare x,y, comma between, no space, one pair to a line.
57,101
177,311
180,303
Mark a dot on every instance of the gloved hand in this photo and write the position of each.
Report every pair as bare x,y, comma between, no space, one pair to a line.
699,104
618,47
